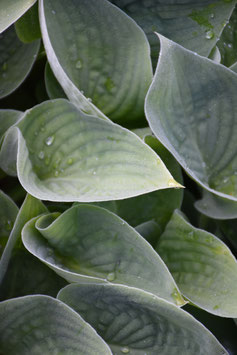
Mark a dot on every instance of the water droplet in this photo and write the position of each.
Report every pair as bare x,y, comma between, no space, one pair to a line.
94,172
125,350
212,15
89,99
56,173
41,155
70,161
78,64
209,34
109,84
229,45
53,12
9,225
111,276
49,140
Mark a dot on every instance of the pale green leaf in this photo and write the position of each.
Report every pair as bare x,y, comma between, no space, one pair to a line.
136,322
98,244
66,155
7,119
195,25
97,53
192,110
31,207
202,265
11,10
158,205
43,325
216,207
16,61
8,213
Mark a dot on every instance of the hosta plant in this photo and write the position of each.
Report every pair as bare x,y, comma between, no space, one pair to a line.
118,172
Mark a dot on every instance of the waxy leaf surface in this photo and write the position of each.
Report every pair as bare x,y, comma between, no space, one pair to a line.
89,241
192,110
136,322
11,10
202,265
44,325
16,61
66,155
97,53
195,25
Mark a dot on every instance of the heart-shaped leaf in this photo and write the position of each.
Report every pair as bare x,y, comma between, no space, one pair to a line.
30,208
195,25
11,10
98,244
44,325
8,213
66,155
96,51
16,61
136,322
192,110
202,265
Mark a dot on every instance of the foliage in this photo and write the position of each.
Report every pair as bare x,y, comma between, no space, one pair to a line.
102,250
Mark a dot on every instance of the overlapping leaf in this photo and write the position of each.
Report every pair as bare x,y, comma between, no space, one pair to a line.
97,53
43,325
7,119
88,241
136,322
16,61
8,213
191,108
202,265
54,90
66,155
11,10
195,25
30,208
27,27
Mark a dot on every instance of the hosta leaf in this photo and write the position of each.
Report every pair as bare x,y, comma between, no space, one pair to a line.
30,208
16,61
11,10
136,322
54,90
26,275
202,265
98,244
227,43
216,207
150,230
27,27
158,205
66,155
96,51
8,213
194,24
7,119
43,325
191,108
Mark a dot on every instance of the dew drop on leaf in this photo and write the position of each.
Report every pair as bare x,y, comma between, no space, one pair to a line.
125,350
41,155
209,34
111,276
78,64
56,173
49,140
